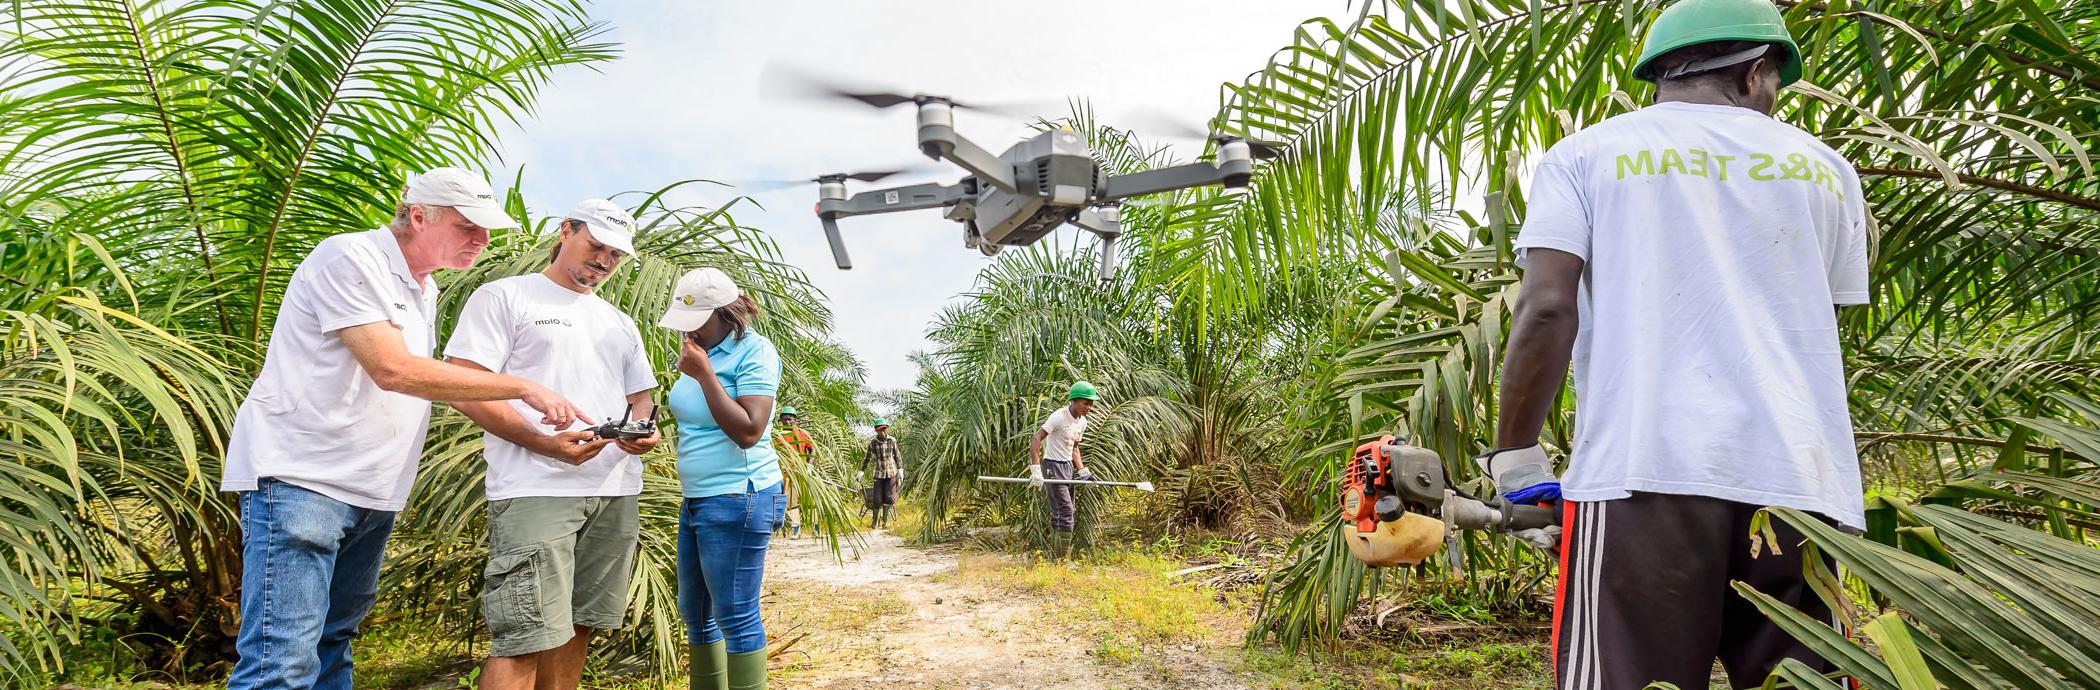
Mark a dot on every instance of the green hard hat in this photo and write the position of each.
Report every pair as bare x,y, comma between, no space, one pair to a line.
788,411
1692,22
1083,390
881,422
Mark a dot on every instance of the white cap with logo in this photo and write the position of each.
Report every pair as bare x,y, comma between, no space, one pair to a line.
699,293
460,190
609,224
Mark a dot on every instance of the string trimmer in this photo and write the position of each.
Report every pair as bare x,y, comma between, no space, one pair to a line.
1141,486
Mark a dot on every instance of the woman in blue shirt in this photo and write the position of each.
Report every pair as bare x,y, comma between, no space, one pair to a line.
730,476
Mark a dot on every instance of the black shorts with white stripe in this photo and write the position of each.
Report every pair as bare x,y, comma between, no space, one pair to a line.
1644,594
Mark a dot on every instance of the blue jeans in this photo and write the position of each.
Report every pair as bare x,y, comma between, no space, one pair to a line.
310,569
721,562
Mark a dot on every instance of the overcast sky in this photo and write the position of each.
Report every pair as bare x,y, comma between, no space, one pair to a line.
683,101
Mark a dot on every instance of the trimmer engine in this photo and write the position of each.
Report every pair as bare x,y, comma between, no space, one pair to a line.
1398,507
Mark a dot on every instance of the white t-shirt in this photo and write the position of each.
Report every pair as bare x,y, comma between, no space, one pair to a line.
1715,240
1064,431
573,343
314,418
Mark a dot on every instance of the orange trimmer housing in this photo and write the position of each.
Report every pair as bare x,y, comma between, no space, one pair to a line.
1368,476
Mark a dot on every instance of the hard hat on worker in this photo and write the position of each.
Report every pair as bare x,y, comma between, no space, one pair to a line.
880,422
1084,391
1692,22
788,411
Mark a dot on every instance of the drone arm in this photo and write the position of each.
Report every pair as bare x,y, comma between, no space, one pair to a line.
938,139
969,156
909,198
1231,174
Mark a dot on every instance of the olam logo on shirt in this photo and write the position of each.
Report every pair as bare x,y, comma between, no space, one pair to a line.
553,322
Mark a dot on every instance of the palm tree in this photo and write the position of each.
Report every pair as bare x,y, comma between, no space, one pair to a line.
1970,369
163,166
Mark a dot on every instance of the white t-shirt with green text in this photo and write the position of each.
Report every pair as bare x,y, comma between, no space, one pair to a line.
576,344
1715,240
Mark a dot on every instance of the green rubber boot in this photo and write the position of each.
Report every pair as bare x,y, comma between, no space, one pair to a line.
706,666
747,671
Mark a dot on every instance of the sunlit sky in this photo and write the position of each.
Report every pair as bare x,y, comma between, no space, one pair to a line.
684,101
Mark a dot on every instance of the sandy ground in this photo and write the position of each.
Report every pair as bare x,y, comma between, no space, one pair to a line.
899,617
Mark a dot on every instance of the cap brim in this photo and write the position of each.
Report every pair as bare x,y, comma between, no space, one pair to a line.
612,239
685,320
487,217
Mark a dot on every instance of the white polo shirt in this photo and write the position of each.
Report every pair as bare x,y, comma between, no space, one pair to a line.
1715,240
574,343
314,418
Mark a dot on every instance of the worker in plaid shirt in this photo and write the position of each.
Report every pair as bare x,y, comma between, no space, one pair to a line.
886,465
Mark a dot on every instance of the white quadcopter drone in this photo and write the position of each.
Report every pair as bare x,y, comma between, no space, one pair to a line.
1017,197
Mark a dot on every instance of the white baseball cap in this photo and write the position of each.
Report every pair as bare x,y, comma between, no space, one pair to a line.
461,190
609,224
699,293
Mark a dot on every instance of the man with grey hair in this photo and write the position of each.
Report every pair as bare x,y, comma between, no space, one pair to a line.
325,447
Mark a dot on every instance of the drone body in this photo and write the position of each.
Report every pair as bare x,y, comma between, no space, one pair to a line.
1017,197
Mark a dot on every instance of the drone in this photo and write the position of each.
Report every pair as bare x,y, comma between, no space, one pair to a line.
1016,197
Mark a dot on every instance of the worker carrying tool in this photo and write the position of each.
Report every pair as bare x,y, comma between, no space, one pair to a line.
790,440
1054,455
886,463
1687,257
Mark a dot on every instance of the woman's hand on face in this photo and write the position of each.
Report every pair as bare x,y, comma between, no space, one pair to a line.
692,361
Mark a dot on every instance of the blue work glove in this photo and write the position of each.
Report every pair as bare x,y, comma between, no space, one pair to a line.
1524,476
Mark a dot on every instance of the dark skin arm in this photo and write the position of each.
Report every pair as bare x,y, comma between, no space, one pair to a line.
1541,341
742,419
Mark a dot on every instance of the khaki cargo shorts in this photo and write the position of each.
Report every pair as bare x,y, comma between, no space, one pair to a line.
556,562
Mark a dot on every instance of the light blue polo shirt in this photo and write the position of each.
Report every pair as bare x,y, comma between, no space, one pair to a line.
709,464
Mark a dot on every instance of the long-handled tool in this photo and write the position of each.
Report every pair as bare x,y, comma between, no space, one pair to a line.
1141,486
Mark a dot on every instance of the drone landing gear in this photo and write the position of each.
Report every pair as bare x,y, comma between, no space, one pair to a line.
1105,221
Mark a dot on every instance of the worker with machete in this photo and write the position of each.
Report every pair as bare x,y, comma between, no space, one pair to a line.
1054,454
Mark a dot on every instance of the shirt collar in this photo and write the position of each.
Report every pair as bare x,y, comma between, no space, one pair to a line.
395,260
729,344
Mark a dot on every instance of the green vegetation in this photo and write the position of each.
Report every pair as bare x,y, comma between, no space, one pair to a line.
163,166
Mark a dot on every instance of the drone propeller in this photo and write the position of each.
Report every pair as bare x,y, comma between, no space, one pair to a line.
801,85
1167,125
863,176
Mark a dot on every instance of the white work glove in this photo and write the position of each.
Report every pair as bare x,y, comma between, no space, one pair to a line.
1545,538
1524,475
1084,475
1035,476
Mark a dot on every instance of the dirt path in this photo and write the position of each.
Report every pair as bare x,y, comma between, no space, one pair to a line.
904,617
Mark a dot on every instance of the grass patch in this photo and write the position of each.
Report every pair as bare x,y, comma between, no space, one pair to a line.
1520,664
1124,597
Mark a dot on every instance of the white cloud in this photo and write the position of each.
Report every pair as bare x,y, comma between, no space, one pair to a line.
683,101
